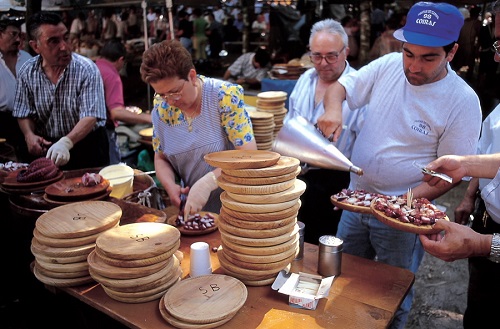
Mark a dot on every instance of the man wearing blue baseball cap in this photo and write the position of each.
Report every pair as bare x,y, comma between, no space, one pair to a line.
418,109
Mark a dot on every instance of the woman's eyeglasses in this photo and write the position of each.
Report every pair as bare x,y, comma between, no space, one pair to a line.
330,58
170,96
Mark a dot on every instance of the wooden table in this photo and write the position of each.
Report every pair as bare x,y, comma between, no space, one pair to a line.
365,295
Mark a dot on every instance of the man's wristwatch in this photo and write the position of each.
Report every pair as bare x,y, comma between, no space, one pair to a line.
495,248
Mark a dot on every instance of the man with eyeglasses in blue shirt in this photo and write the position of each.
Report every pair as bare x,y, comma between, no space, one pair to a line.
328,44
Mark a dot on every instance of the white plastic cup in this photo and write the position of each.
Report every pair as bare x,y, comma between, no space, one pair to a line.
200,260
121,178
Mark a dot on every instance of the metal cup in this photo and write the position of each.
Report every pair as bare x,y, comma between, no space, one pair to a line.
300,254
330,255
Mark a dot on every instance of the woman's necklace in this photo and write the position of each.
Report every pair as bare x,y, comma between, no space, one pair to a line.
189,119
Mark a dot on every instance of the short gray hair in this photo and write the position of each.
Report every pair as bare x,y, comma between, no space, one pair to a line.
330,26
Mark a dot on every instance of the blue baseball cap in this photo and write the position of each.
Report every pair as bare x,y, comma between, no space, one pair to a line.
431,24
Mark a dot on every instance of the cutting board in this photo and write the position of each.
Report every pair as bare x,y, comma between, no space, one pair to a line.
181,324
291,193
253,208
104,269
254,189
256,233
270,216
138,262
38,248
260,180
261,251
262,242
79,219
205,299
256,225
261,259
242,159
138,240
73,189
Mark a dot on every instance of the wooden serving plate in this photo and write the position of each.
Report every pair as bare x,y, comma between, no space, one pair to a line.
11,185
285,165
259,242
242,159
261,251
292,193
261,259
79,219
185,325
171,220
255,225
230,203
60,275
265,217
260,180
63,243
256,233
39,249
102,268
100,197
138,240
71,189
406,227
254,189
350,207
261,266
251,274
194,300
58,282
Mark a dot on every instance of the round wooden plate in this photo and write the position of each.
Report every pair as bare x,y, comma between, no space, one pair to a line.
61,243
250,274
350,207
260,180
256,225
39,249
64,268
194,300
138,262
262,242
177,273
261,251
262,266
58,282
79,219
61,260
115,272
406,227
102,196
60,275
185,325
171,220
228,202
285,165
272,95
256,233
265,217
11,181
256,277
138,240
254,189
242,159
292,193
261,259
73,189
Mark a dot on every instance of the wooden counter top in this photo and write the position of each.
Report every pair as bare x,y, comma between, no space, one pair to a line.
365,295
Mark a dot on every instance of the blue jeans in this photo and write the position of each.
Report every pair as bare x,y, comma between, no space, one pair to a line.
114,150
367,237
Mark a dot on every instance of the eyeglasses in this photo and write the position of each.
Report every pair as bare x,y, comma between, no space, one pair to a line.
330,58
496,46
170,96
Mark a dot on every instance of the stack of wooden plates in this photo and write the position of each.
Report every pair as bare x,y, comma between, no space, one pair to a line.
273,102
65,236
203,302
258,218
263,129
288,71
135,263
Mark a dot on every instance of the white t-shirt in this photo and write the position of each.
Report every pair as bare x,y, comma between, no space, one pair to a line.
406,123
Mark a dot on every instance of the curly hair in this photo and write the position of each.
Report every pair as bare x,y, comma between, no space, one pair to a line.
165,60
